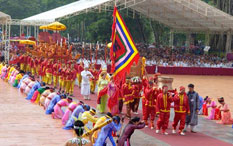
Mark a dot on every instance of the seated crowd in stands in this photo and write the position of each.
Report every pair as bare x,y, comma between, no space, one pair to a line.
166,56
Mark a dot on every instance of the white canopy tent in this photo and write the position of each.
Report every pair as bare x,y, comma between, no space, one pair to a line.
190,16
5,36
65,11
4,17
181,15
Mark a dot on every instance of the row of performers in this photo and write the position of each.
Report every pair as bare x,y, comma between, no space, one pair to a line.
154,100
59,73
73,114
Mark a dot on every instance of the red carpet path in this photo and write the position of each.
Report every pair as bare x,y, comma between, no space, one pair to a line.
191,139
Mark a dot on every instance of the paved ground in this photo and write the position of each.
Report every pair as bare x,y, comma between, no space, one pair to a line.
23,123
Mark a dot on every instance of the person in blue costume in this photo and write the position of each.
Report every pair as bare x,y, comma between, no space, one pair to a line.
106,132
201,102
79,109
53,102
36,86
24,77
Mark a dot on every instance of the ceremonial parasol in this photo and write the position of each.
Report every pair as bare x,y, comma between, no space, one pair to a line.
56,26
27,42
43,27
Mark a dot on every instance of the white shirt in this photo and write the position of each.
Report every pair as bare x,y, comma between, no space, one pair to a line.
85,78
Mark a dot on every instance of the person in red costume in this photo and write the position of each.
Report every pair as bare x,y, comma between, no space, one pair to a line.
55,69
150,102
128,97
181,107
145,83
120,98
163,106
80,69
93,80
137,88
48,72
74,76
33,66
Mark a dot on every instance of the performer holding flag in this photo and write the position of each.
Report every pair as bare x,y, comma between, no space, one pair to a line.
123,52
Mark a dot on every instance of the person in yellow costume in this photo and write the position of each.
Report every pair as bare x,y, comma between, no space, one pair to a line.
102,83
73,74
18,77
100,121
88,116
68,80
80,69
93,80
1,65
49,75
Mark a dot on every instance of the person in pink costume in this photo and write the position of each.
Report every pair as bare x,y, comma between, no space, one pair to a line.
3,72
49,98
24,84
13,76
211,104
58,113
29,86
226,114
68,112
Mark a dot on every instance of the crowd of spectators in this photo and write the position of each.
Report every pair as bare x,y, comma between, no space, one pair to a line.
166,56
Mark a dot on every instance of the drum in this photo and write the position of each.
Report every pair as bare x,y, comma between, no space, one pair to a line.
163,80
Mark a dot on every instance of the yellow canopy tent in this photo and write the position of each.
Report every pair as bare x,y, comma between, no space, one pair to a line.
56,26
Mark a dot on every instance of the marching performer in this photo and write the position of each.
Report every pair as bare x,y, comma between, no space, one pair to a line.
163,105
137,87
181,107
128,96
150,103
